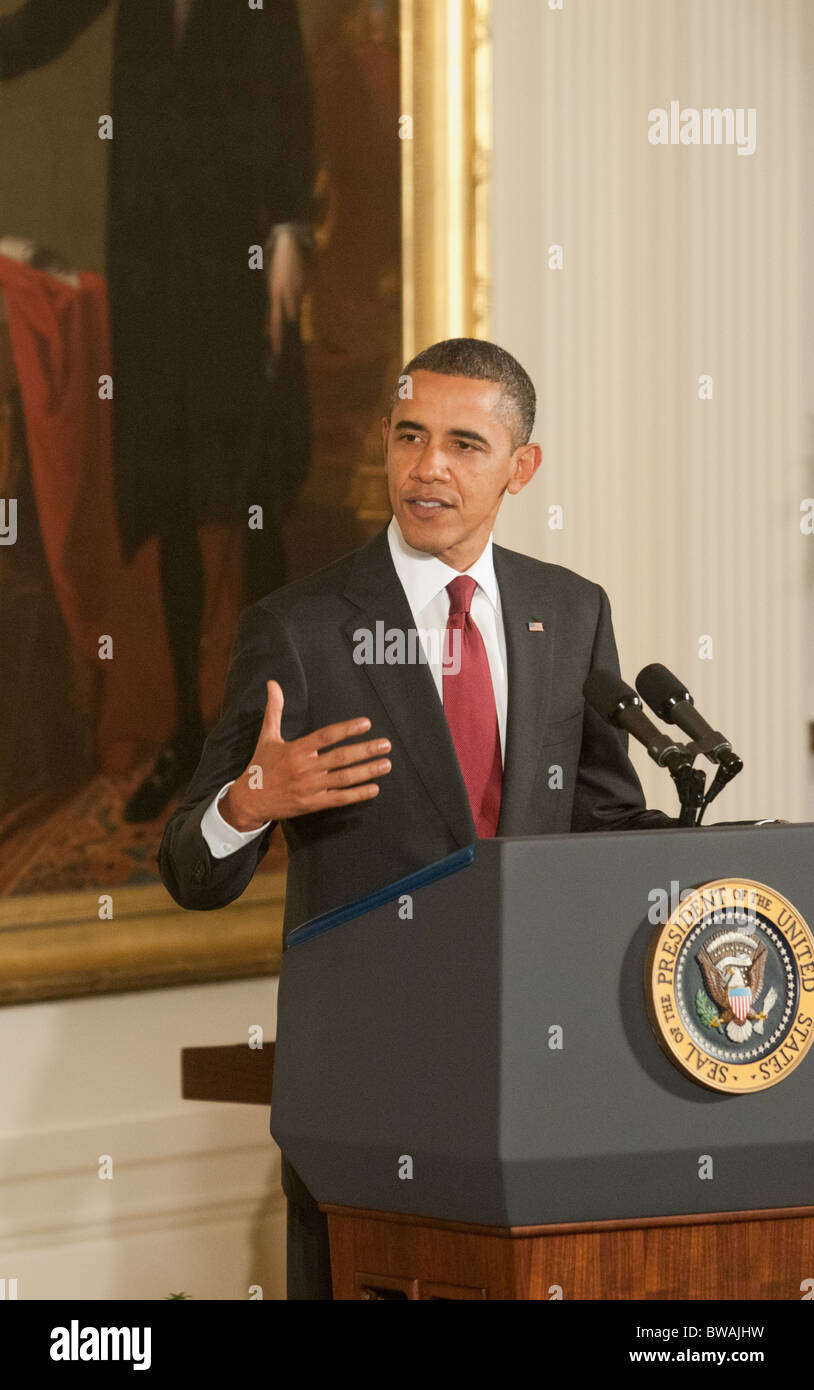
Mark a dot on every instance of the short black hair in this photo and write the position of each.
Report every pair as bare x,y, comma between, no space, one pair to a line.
481,360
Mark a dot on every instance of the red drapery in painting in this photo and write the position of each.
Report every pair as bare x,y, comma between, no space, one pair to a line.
60,339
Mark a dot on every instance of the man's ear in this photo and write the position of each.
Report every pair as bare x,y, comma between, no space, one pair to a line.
527,460
385,433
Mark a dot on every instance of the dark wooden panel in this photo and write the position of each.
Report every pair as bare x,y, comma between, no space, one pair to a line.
234,1073
746,1256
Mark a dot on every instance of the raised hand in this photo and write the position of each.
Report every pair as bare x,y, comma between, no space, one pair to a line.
292,779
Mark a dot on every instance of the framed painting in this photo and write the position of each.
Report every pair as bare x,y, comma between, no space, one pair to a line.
396,105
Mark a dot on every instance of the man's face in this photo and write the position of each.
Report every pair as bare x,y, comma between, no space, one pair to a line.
449,460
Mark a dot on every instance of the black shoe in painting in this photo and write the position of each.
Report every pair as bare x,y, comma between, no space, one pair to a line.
173,769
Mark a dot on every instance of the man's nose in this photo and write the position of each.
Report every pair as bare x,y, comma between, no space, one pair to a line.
432,463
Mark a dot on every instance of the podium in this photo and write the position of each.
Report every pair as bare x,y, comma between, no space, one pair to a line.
467,1080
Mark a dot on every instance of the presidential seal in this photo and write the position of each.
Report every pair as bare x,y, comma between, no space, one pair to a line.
729,986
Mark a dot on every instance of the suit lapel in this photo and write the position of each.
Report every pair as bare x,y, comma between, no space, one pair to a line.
529,661
408,692
411,699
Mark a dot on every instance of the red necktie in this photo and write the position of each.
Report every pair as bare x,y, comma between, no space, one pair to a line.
469,705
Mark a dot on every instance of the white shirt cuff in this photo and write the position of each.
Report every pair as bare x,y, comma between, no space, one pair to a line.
222,838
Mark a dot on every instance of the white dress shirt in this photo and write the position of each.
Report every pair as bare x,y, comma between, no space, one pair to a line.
424,579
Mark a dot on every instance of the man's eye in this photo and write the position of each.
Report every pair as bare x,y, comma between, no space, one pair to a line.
406,434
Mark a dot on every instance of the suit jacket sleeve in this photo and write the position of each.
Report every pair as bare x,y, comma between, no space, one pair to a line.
41,30
608,793
262,651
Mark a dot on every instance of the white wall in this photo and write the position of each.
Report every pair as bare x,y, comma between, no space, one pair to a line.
678,261
194,1204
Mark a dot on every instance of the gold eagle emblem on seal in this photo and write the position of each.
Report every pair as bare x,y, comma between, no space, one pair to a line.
729,986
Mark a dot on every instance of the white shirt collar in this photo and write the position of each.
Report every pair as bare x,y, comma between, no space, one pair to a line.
423,576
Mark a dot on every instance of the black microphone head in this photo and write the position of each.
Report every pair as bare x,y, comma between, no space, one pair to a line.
661,690
606,692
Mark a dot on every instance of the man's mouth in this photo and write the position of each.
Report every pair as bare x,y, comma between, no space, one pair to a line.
427,504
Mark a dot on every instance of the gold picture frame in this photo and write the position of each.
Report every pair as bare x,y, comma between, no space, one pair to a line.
57,945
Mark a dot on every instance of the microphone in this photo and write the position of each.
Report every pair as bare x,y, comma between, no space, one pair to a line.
673,703
608,694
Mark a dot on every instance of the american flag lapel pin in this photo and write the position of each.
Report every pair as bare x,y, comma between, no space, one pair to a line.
535,626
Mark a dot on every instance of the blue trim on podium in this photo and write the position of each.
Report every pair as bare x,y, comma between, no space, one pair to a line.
460,859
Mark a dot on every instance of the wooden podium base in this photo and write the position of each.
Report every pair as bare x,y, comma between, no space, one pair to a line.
750,1255
375,1254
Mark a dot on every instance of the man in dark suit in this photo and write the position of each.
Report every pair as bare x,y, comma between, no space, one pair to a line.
374,765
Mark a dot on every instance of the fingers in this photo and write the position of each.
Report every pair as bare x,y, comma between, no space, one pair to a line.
311,774
332,733
351,753
312,744
317,776
360,772
273,714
